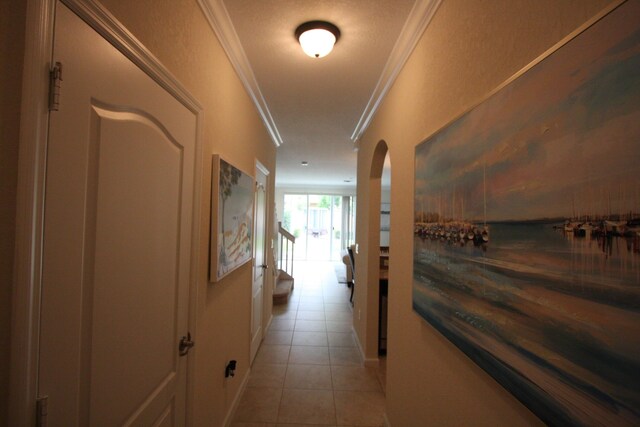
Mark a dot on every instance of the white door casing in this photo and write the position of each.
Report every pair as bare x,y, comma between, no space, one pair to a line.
259,259
117,240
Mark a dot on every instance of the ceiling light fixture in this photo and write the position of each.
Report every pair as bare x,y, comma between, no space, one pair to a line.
304,163
317,37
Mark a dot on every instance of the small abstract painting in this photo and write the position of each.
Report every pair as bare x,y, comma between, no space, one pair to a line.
231,219
527,229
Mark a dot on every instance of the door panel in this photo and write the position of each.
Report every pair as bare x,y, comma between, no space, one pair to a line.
137,229
259,260
118,209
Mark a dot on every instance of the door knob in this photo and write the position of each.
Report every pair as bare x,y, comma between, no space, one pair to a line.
185,344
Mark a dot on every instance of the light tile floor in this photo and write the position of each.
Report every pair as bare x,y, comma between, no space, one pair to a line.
308,370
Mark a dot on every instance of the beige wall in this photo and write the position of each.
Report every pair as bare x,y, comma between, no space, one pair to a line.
178,34
12,21
469,49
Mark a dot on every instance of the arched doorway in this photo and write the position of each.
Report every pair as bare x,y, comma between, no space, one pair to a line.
378,254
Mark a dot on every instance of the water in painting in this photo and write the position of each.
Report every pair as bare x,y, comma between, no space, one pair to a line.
527,230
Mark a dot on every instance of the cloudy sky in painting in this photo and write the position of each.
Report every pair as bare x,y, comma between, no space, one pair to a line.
238,208
561,140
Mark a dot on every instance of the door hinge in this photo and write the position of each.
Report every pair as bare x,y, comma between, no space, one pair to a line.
55,77
41,411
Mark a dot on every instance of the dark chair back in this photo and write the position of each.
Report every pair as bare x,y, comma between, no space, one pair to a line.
353,272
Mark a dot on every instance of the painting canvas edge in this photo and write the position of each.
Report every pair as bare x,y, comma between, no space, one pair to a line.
214,263
542,405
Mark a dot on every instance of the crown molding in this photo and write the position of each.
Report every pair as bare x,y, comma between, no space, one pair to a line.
220,21
417,22
105,24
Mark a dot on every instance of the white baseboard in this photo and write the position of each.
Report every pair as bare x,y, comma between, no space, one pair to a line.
266,329
385,420
236,400
369,363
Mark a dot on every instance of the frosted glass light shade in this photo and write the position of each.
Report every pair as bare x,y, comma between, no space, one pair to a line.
317,38
317,43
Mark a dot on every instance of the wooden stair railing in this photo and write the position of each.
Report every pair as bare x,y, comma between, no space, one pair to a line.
287,241
284,281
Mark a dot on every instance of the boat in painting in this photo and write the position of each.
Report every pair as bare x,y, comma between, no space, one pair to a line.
537,278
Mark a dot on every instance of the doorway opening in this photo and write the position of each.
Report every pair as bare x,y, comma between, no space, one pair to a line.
322,224
385,228
378,255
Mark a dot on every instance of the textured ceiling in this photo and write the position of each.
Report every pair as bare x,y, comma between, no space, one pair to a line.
316,104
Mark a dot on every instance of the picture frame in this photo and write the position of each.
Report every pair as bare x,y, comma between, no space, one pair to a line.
527,229
231,226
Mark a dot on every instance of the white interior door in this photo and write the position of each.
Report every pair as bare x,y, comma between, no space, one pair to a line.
118,210
259,259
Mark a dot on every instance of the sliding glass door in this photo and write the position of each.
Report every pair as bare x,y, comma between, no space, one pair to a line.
316,221
295,221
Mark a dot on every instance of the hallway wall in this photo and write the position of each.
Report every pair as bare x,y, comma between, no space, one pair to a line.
181,38
468,50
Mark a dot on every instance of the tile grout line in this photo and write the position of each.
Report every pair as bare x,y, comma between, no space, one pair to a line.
333,391
336,316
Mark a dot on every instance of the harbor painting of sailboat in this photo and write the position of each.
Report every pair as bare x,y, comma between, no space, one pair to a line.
527,229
